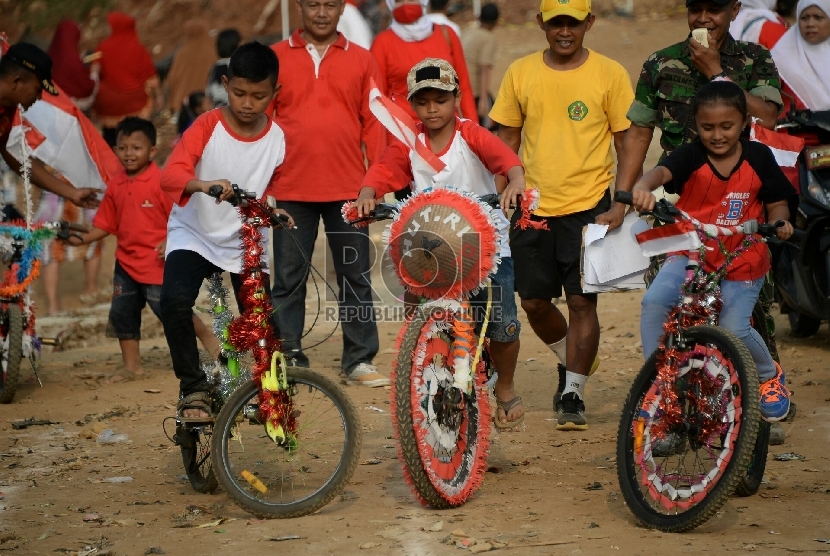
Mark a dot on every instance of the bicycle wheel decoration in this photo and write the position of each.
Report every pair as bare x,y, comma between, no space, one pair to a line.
688,429
440,407
443,243
223,379
252,332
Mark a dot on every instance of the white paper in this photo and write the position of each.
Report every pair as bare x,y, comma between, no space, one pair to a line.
613,261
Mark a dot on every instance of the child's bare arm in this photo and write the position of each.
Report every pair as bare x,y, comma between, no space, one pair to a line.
780,211
197,186
643,197
93,235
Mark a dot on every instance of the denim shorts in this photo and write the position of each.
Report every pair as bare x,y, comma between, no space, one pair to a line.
128,300
504,325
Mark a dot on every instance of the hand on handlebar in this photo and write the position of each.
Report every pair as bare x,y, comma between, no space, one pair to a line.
365,202
785,231
512,194
642,198
227,189
285,219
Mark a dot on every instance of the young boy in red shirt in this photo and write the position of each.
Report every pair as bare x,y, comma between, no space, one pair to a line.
135,210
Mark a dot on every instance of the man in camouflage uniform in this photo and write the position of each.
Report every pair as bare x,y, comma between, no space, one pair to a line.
668,82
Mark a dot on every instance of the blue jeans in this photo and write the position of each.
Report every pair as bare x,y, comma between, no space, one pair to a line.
739,299
351,254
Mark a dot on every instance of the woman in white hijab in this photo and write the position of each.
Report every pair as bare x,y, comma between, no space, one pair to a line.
409,39
802,56
757,22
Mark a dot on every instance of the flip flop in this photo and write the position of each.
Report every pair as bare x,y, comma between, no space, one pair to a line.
506,407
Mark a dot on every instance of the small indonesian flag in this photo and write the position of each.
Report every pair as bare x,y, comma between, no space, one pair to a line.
786,148
59,135
402,126
680,236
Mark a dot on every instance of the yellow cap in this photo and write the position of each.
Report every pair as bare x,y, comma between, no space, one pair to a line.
577,9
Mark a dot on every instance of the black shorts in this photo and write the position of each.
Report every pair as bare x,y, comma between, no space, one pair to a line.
128,300
547,261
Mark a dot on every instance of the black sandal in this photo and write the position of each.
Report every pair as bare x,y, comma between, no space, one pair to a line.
196,400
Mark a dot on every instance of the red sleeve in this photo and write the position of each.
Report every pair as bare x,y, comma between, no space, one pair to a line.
469,109
770,33
105,218
181,166
378,50
374,134
392,172
496,156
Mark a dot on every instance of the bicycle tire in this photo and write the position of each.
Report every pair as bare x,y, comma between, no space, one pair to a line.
713,490
751,481
194,442
435,483
242,491
13,355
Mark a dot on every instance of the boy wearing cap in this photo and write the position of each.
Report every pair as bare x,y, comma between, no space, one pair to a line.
563,106
473,157
26,71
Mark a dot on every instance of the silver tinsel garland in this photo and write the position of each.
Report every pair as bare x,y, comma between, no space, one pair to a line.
218,376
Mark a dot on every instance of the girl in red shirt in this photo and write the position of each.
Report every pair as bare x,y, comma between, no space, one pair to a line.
724,180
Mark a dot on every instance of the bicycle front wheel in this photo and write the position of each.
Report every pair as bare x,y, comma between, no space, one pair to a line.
685,443
442,434
303,474
12,354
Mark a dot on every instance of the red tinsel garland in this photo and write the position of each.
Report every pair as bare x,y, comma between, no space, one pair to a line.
252,330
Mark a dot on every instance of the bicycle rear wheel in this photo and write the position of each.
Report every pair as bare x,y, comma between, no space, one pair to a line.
194,442
708,416
12,353
443,436
305,473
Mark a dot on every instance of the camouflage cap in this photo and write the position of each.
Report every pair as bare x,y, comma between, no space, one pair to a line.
431,73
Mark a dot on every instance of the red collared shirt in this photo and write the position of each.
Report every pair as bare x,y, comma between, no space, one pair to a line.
135,211
323,108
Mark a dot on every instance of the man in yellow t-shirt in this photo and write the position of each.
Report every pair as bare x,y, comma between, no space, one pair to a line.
564,106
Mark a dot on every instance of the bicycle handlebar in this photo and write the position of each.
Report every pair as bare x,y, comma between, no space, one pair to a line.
244,198
385,211
667,213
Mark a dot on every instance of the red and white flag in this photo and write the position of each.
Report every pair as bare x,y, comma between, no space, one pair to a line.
401,125
680,236
59,135
786,148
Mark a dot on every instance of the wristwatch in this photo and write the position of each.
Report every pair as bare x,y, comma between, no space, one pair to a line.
722,76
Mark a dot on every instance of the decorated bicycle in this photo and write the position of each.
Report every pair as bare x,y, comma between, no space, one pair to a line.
286,440
687,435
443,245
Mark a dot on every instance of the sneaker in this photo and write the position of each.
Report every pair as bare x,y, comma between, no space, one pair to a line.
670,445
571,413
775,398
560,368
366,374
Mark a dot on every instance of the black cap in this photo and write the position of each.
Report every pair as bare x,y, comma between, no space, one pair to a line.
32,58
718,2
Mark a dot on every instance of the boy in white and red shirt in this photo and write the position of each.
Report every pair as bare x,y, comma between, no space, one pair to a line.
236,144
473,157
135,211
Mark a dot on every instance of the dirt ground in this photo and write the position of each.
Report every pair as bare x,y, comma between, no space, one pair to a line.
55,498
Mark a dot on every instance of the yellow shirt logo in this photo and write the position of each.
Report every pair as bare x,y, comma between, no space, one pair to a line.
577,111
